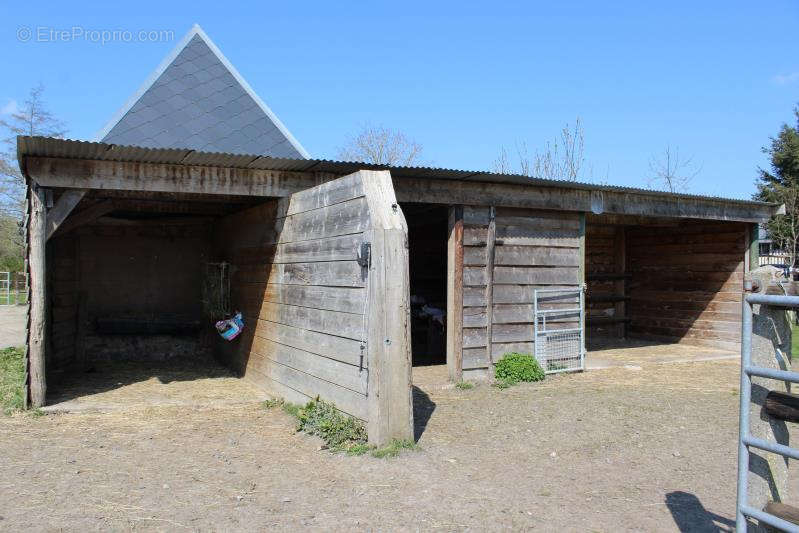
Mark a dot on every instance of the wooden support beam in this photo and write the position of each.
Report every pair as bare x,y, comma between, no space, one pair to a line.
162,177
490,252
455,294
159,177
63,207
533,196
619,285
86,216
390,399
753,247
37,330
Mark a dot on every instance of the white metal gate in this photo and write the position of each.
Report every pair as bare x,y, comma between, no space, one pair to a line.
13,288
559,329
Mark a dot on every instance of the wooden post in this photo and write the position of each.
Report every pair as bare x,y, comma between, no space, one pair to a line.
753,235
583,278
619,286
491,240
390,398
37,330
455,294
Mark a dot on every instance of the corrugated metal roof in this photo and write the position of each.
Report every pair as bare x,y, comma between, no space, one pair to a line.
72,149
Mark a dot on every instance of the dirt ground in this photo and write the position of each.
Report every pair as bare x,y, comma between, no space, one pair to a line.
604,352
617,449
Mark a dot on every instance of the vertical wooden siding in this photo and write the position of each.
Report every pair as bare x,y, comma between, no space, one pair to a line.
532,249
687,282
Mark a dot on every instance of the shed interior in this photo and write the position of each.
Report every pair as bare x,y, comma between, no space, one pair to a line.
664,280
427,252
126,279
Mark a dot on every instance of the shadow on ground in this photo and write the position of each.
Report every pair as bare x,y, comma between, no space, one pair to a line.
690,515
423,408
104,376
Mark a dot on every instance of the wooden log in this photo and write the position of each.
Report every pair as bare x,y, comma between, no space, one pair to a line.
787,512
37,331
782,405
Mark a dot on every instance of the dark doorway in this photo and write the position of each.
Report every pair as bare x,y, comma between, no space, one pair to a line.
427,252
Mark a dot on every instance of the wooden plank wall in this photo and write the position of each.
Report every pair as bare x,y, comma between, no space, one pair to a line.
687,282
606,263
531,249
63,273
303,294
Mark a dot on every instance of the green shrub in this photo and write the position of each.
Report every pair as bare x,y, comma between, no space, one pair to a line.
514,367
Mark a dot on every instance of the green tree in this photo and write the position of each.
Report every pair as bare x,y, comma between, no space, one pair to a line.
780,184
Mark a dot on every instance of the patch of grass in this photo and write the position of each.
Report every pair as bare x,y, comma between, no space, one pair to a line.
273,403
514,367
503,384
464,385
394,448
795,340
12,379
359,449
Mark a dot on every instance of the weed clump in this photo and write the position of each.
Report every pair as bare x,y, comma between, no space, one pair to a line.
340,432
514,367
464,385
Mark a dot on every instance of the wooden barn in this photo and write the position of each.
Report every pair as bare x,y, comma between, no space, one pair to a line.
349,274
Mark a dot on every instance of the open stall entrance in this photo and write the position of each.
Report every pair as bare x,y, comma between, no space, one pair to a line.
129,276
427,247
661,290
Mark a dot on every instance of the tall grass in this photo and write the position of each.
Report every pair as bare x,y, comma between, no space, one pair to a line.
12,379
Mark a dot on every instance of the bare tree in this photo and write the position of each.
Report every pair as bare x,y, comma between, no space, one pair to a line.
562,159
32,119
671,171
381,146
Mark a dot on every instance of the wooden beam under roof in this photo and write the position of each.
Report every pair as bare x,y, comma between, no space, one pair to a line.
175,178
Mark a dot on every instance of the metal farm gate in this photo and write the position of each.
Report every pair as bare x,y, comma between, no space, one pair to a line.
13,288
559,329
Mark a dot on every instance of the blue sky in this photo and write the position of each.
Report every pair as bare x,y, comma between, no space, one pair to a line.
715,79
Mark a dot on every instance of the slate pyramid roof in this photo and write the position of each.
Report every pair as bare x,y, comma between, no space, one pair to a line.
197,99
